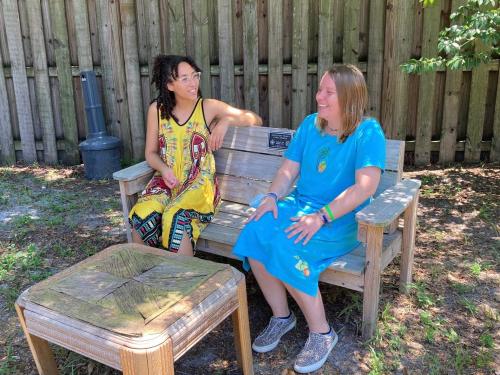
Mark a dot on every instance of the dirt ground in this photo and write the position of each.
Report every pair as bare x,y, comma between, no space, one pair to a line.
51,218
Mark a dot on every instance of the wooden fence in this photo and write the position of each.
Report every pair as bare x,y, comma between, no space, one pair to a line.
264,55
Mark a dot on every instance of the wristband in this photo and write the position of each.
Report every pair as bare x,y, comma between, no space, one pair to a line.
272,195
329,212
255,201
323,217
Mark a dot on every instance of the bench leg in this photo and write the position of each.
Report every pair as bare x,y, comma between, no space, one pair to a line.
155,361
40,349
372,280
127,202
410,221
242,331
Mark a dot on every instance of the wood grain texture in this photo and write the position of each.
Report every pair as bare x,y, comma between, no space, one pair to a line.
201,44
375,67
42,85
20,81
427,90
299,61
40,349
477,111
451,111
241,330
351,31
66,93
390,204
177,27
226,61
495,142
7,152
250,55
325,37
133,80
275,62
82,29
408,248
371,292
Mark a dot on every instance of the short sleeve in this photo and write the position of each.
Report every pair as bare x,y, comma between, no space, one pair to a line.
370,150
296,147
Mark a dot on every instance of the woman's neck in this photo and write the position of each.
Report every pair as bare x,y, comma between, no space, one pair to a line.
333,127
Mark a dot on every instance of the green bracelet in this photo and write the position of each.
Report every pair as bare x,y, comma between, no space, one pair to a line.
329,212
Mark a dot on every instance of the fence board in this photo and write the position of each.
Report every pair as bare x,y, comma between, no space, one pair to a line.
94,31
451,108
42,87
25,33
250,55
4,51
23,106
477,112
375,56
133,79
81,17
495,142
115,50
398,41
338,30
275,53
325,37
224,24
177,27
201,43
427,89
154,39
6,140
351,32
299,61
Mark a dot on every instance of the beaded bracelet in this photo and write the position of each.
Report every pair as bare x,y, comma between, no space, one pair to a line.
328,210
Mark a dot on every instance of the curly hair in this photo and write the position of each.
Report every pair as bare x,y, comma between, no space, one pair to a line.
165,70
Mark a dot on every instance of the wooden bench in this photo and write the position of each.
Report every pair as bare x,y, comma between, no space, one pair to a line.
246,164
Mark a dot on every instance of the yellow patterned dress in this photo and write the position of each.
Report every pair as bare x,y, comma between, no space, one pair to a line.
163,215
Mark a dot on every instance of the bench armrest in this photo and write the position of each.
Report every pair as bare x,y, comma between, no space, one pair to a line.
390,204
133,172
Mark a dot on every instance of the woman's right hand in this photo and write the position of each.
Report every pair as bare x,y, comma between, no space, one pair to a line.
169,177
267,204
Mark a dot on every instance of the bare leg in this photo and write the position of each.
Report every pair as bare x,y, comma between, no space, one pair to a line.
273,289
312,308
186,248
136,238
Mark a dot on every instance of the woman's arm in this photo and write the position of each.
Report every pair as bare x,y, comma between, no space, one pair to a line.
280,186
366,183
152,149
220,116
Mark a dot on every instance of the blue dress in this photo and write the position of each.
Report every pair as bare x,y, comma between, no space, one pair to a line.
327,168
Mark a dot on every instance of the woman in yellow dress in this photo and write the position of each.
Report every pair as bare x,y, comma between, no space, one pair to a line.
182,132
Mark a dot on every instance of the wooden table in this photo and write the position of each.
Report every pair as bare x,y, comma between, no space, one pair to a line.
134,308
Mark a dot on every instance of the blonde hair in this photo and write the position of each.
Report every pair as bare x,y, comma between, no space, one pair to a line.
352,95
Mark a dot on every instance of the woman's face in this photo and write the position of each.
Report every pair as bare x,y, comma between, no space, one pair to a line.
328,101
187,83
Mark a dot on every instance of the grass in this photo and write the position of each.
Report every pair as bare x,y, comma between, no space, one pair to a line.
446,324
8,363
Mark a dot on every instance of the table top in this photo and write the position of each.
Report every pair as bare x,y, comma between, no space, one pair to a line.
129,289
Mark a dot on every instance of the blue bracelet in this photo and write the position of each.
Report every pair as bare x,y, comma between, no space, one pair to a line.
256,201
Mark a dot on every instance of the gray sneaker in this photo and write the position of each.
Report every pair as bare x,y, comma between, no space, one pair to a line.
315,352
269,338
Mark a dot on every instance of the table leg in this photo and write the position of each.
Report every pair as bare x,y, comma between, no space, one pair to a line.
155,361
242,331
40,349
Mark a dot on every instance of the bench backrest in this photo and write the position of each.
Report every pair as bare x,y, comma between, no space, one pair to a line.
246,164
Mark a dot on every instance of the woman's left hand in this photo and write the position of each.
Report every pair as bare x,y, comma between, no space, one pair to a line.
217,137
305,227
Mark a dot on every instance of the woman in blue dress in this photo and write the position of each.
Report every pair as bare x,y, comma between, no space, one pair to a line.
338,157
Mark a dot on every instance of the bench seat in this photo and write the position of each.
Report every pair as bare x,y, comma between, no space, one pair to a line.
246,165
